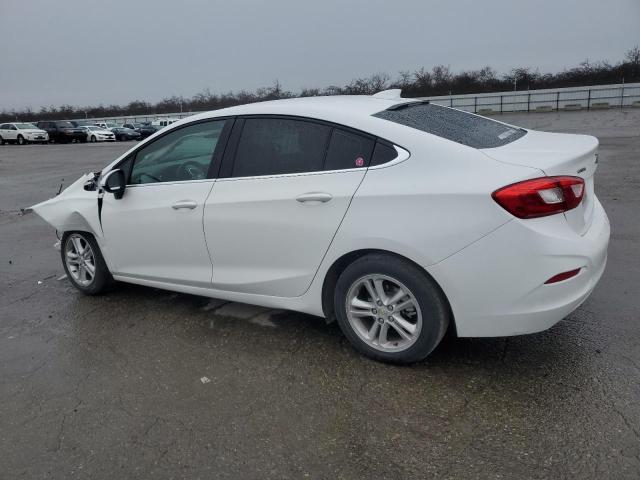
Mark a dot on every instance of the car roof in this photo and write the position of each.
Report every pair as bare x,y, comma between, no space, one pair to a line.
327,106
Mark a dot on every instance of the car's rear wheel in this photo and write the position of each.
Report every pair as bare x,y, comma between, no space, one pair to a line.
2,142
390,309
84,264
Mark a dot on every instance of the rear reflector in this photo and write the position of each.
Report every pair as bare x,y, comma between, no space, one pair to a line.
541,196
563,276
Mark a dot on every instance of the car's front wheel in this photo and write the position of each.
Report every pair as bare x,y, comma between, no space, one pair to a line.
21,140
390,309
84,264
93,139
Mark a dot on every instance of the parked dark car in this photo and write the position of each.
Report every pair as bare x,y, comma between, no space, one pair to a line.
63,131
143,129
122,134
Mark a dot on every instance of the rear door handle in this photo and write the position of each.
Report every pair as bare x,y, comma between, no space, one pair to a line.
315,197
190,204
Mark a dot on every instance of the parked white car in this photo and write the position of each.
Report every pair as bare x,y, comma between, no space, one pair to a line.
22,133
98,134
400,218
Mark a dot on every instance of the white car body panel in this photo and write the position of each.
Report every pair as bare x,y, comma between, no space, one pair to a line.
263,240
169,240
250,240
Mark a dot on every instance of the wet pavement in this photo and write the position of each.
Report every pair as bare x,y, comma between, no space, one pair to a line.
144,383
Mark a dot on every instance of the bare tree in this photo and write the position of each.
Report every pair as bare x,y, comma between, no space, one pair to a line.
633,56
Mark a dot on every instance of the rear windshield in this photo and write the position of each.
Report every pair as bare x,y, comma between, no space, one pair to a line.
454,125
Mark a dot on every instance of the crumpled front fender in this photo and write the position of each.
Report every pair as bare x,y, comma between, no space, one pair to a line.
73,209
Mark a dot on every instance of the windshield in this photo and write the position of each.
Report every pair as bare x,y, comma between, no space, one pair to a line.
65,125
23,126
455,125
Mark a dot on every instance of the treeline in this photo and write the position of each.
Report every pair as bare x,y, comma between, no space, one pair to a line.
440,80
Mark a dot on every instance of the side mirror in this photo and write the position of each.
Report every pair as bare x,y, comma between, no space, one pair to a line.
114,182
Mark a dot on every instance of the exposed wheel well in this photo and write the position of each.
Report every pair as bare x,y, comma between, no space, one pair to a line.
341,263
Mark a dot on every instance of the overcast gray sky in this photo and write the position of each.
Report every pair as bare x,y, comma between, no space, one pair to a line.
86,52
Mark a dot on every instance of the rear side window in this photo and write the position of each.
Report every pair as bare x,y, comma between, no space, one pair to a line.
348,150
383,153
275,146
454,125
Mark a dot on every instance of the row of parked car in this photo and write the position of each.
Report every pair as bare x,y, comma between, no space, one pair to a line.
65,131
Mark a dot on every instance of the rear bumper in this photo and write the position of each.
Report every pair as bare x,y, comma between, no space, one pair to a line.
496,286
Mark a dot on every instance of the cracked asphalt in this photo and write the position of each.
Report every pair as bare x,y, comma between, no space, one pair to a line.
144,383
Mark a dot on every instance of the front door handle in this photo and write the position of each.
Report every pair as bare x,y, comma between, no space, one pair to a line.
190,204
315,197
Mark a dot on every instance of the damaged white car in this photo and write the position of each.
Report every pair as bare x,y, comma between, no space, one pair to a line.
399,218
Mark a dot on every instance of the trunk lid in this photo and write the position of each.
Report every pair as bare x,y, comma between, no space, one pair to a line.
557,154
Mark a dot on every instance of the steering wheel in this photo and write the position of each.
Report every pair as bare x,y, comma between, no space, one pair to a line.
191,170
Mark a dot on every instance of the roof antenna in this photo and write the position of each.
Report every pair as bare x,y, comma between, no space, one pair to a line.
393,94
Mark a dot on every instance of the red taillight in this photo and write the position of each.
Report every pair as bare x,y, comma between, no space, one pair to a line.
541,196
563,276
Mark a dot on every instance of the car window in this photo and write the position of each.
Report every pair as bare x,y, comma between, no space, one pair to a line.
348,150
4,126
273,146
455,125
383,153
183,154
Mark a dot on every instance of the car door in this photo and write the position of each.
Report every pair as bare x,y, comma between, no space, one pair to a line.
4,130
285,186
154,232
12,133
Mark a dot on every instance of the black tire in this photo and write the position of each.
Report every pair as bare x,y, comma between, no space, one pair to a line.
102,280
2,142
433,304
21,140
93,139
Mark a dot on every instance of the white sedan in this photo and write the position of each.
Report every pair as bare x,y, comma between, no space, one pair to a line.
399,218
22,133
98,134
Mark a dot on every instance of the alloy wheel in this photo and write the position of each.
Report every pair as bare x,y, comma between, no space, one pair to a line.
80,260
384,313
